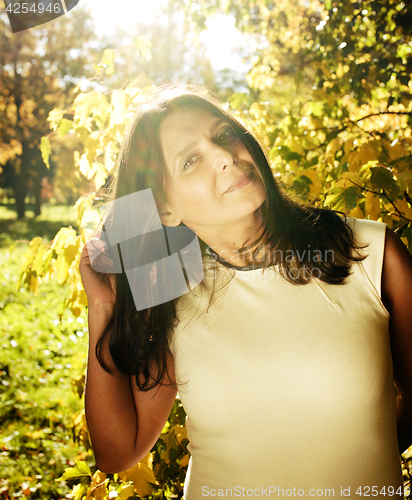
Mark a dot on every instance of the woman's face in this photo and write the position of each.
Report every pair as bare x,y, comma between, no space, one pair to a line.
211,178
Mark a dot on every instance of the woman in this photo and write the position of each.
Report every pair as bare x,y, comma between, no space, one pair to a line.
285,368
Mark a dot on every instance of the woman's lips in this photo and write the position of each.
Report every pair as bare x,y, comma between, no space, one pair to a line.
239,183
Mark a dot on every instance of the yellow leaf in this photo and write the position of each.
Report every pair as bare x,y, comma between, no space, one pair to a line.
148,460
38,261
316,179
98,478
331,150
347,147
363,155
55,117
45,149
119,102
126,492
71,252
109,161
62,269
347,177
170,442
372,205
64,127
90,219
180,432
78,491
357,213
34,281
397,150
65,237
403,208
185,461
107,61
77,301
83,203
97,492
31,253
35,243
84,104
142,476
388,220
85,168
100,175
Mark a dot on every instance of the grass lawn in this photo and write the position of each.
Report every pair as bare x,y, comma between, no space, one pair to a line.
42,352
53,217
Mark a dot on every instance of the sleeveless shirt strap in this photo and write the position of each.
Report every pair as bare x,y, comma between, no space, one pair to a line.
372,233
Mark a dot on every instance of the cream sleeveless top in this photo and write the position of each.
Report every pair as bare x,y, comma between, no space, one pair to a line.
289,389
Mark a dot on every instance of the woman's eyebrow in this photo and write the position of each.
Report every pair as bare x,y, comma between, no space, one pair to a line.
189,146
184,151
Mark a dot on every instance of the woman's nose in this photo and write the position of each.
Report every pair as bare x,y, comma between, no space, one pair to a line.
222,157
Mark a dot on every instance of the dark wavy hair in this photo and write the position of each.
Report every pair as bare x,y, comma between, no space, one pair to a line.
138,340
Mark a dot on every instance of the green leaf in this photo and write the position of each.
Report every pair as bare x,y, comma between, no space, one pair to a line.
381,178
407,233
333,134
236,100
84,105
144,45
298,78
79,491
302,184
54,117
316,108
108,60
45,149
287,154
81,474
119,104
64,126
343,199
100,175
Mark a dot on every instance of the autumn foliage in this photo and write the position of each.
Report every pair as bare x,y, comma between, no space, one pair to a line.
329,95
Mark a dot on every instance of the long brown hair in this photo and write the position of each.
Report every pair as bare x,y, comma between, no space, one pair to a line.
138,340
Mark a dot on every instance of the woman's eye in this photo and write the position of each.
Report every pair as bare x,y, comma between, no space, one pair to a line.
226,135
188,163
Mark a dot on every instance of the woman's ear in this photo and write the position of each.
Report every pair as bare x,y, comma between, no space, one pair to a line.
167,218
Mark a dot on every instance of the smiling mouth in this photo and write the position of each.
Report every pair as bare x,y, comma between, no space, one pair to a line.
239,183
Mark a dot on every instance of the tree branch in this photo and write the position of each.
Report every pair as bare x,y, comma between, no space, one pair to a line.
399,214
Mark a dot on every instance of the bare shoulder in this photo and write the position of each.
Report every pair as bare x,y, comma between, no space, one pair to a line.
397,297
396,274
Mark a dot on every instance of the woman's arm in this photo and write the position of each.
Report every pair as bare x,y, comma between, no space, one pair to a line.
124,423
397,297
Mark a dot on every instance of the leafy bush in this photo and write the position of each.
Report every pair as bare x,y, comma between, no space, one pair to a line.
45,442
160,474
42,347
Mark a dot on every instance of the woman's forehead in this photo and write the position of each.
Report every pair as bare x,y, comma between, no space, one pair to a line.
182,128
191,114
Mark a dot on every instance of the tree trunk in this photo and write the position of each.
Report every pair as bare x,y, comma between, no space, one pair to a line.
37,193
20,162
21,188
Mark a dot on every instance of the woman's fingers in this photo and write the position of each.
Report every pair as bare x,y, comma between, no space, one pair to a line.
98,257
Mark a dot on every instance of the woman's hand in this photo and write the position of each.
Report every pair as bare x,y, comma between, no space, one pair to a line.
100,287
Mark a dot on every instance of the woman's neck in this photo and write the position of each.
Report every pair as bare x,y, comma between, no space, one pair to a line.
240,253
